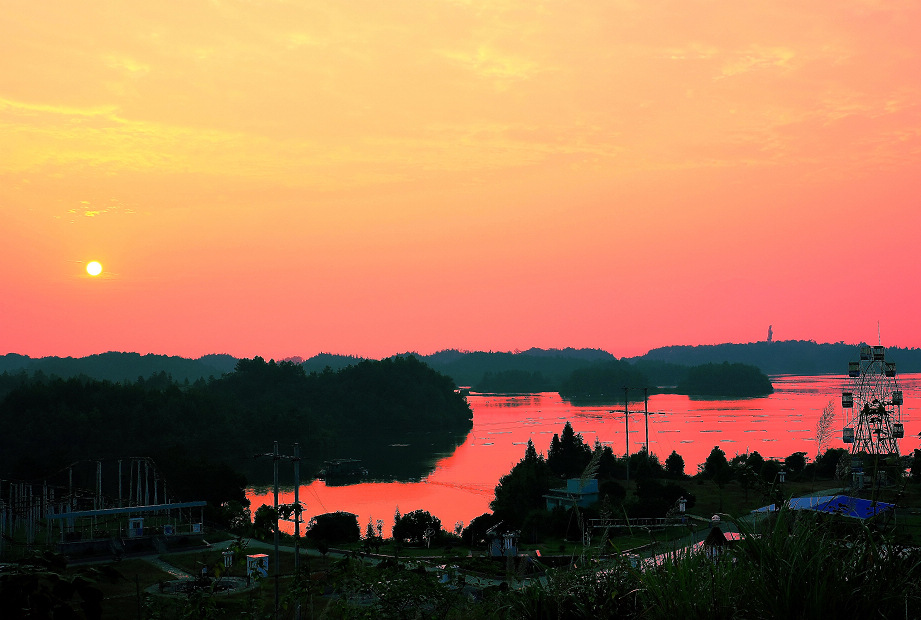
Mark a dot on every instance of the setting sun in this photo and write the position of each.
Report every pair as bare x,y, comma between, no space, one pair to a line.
93,268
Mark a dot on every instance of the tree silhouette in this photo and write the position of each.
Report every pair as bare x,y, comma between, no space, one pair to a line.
674,465
568,454
523,488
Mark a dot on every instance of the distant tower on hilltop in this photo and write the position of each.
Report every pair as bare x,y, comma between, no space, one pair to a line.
770,333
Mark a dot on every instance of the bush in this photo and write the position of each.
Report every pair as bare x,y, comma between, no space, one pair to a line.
334,528
474,535
417,527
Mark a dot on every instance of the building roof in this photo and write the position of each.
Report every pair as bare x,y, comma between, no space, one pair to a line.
845,505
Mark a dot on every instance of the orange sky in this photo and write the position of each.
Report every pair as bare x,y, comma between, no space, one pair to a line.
279,178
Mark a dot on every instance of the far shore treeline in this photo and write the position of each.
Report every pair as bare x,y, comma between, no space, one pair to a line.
533,370
190,427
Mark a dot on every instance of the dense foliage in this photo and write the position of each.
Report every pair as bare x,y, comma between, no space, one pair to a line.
118,366
602,381
798,357
520,501
725,380
334,528
520,381
49,423
468,368
417,527
523,488
568,455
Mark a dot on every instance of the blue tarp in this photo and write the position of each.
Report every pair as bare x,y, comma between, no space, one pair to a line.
809,503
852,507
835,504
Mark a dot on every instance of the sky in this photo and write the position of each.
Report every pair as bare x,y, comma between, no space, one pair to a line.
283,178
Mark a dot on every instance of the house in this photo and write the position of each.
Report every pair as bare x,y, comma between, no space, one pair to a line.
578,492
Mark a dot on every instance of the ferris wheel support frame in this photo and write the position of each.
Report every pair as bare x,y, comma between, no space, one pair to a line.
873,406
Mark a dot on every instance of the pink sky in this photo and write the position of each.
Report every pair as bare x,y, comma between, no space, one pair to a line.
284,178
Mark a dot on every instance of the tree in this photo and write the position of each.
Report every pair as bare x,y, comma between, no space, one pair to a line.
607,464
568,454
769,470
656,498
796,462
716,467
755,461
674,465
523,488
417,527
372,540
475,533
827,464
644,465
264,522
334,527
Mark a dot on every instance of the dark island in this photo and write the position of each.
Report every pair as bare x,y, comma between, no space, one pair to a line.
725,380
606,381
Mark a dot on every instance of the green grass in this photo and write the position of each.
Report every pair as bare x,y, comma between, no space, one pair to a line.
119,583
193,562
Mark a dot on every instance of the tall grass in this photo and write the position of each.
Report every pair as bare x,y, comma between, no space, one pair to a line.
805,566
811,565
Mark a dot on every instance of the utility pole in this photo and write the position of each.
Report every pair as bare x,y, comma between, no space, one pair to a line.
627,430
275,456
297,509
277,559
646,412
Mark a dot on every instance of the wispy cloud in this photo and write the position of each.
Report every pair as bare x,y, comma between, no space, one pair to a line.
492,64
755,58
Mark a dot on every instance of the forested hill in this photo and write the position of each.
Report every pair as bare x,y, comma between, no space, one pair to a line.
118,366
530,370
794,357
50,422
465,367
519,371
469,368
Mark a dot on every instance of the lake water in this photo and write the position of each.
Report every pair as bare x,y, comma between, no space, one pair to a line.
461,485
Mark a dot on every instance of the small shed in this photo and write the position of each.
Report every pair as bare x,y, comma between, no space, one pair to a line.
257,565
578,492
502,543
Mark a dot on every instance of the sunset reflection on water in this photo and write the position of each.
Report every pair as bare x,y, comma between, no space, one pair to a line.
461,485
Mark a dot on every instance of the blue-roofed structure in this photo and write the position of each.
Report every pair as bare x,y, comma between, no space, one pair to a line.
854,507
845,505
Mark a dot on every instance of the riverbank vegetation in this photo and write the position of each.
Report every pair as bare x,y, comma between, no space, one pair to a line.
725,380
200,433
605,382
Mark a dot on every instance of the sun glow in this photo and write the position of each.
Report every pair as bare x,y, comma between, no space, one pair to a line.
93,268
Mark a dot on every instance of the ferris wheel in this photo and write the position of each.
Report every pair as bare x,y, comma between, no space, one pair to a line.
873,405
